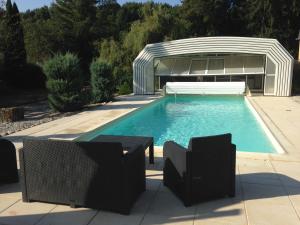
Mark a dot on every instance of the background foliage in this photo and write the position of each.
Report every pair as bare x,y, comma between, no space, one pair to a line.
115,33
102,81
64,82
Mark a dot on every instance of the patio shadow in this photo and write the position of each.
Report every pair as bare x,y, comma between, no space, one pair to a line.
158,205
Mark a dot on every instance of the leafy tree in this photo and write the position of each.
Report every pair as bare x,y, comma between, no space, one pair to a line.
101,81
236,18
128,13
112,53
261,18
124,89
154,28
105,2
275,19
14,48
117,33
286,14
106,24
73,22
64,82
2,34
38,35
206,17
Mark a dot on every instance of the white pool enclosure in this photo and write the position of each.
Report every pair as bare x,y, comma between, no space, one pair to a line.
264,65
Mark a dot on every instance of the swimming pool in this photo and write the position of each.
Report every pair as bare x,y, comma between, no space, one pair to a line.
185,116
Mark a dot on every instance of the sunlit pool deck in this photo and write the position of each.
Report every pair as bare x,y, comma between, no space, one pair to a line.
268,185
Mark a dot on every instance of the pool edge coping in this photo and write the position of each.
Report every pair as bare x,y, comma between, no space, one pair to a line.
122,115
280,150
268,131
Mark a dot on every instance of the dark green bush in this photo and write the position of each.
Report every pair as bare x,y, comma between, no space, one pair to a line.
33,77
30,76
64,82
102,82
124,89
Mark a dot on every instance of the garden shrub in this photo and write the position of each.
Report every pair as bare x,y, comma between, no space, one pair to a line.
102,81
33,77
64,82
124,89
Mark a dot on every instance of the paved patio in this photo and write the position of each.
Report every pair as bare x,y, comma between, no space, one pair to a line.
268,185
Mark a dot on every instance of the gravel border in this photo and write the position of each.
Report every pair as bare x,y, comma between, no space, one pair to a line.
34,114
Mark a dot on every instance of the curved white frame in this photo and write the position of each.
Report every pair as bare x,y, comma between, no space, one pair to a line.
143,68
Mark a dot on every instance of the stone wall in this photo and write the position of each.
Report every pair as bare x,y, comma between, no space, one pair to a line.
11,114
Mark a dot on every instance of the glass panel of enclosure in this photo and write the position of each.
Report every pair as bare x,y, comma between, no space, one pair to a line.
234,64
215,66
270,67
269,84
270,77
248,68
181,66
198,66
164,66
229,64
157,83
253,64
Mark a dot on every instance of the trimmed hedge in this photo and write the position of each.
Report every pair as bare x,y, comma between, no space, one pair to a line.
124,89
64,82
102,82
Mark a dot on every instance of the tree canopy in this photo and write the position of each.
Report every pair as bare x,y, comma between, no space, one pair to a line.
15,58
116,33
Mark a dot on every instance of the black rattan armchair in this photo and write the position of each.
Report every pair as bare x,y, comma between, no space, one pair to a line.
88,174
204,171
8,162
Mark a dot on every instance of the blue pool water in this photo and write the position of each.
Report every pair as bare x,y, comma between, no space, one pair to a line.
192,116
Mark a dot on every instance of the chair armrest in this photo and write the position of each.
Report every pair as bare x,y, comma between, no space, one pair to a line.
132,149
176,154
233,147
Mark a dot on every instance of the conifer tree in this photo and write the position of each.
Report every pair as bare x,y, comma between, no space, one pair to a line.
261,18
14,48
74,21
2,13
236,24
2,33
287,17
206,17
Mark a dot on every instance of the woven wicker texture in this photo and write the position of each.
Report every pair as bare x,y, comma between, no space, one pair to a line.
89,174
204,171
8,162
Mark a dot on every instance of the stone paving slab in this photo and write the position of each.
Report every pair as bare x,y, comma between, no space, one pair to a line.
63,215
223,211
266,204
154,219
25,214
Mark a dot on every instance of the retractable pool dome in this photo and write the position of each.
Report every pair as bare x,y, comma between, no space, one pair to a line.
264,64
